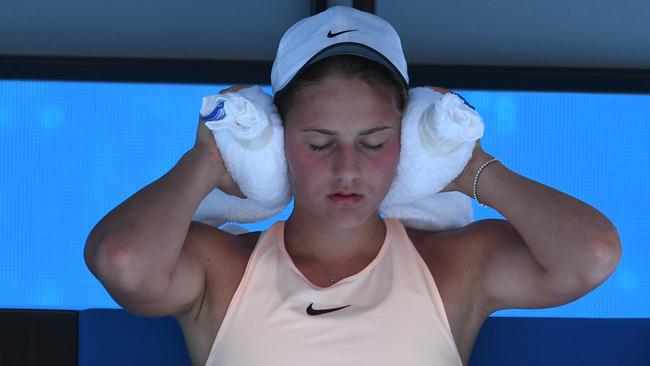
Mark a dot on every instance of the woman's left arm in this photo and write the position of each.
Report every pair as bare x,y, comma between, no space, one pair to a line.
552,248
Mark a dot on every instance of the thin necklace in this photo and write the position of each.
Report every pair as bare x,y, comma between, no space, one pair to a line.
332,277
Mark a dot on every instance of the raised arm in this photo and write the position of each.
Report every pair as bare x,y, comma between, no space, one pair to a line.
148,244
551,249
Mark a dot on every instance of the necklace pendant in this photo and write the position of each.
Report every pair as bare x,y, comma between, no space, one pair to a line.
333,279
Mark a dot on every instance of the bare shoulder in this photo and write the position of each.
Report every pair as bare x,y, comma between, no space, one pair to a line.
210,238
484,267
452,257
459,259
224,257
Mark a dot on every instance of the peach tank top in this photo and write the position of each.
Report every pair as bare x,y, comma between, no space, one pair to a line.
390,313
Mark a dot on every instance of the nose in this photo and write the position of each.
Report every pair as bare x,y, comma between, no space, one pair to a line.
347,163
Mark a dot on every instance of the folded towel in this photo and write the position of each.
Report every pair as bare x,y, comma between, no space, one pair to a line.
439,132
438,135
249,134
441,211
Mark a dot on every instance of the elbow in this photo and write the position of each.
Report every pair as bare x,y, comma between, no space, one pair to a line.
606,252
93,255
95,250
114,266
592,266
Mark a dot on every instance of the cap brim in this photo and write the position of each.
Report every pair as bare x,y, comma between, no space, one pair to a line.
357,49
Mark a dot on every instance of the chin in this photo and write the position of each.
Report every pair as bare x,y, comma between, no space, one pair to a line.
349,217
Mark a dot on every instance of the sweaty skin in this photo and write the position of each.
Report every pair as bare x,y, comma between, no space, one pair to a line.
341,136
155,261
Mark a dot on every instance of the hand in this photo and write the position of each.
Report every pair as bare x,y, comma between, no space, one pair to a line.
206,146
465,180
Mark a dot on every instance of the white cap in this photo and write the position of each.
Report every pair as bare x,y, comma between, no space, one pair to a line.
335,31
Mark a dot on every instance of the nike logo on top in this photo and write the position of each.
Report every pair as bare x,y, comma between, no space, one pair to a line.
312,311
332,35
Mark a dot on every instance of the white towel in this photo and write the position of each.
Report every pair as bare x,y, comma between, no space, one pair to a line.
440,211
438,135
249,134
437,138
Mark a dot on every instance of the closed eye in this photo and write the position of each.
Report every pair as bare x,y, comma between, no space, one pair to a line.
374,147
319,148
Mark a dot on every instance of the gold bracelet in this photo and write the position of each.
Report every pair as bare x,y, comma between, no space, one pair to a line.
475,185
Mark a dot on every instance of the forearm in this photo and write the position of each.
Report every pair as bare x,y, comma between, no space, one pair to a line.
565,235
143,236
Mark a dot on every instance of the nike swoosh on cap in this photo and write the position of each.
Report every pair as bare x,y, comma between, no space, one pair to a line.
312,311
332,35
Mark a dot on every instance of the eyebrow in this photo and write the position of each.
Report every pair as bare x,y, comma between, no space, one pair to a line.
332,133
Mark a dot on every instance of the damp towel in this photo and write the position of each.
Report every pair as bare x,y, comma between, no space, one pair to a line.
439,132
249,134
438,135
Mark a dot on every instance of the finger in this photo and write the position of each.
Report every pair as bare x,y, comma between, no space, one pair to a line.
232,89
439,89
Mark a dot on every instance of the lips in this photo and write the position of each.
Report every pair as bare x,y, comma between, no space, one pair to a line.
345,199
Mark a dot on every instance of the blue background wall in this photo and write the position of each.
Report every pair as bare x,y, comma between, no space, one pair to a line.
71,151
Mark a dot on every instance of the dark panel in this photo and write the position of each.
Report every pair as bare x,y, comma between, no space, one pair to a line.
110,337
258,72
318,6
38,337
137,70
562,342
532,79
365,5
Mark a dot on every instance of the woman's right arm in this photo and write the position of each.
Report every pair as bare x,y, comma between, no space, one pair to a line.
144,247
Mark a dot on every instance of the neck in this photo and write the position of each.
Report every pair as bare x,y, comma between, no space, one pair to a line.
308,239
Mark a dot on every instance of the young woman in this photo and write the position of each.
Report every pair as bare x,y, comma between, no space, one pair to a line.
336,283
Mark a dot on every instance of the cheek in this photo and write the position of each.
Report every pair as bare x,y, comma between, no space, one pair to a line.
305,174
384,166
380,172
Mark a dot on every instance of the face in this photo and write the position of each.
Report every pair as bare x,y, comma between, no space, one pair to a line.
342,142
